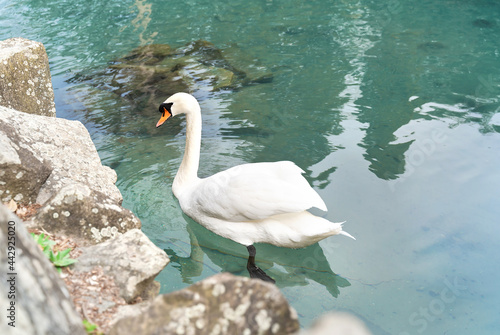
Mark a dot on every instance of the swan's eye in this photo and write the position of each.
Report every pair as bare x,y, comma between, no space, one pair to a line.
166,106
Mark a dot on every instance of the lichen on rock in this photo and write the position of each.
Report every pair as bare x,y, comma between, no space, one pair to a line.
85,214
221,304
52,151
25,81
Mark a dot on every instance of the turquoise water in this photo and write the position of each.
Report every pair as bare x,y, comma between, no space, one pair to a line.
392,109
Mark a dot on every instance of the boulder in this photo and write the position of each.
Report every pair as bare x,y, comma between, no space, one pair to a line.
63,146
132,259
22,174
221,304
30,286
25,82
84,214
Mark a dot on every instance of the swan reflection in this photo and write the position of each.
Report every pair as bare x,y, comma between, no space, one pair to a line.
287,267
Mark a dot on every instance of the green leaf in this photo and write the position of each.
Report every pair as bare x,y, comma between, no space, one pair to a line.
52,256
62,258
64,262
47,251
59,259
64,253
90,328
43,240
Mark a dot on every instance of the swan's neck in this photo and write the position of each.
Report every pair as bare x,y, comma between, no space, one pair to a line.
188,171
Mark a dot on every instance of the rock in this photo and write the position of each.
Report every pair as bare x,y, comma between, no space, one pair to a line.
483,23
254,71
85,214
38,143
338,323
96,297
129,311
145,77
196,65
222,304
431,46
42,304
25,82
132,259
21,173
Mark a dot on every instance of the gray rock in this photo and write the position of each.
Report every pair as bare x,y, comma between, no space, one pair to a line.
86,215
222,304
129,311
42,303
21,173
132,259
63,146
25,82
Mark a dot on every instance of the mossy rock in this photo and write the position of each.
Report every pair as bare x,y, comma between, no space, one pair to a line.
149,74
158,70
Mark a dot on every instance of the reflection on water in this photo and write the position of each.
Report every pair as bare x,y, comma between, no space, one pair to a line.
392,108
142,20
288,267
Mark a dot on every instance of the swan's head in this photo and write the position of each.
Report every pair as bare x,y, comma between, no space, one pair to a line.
178,103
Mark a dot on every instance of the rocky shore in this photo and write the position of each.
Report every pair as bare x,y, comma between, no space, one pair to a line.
52,182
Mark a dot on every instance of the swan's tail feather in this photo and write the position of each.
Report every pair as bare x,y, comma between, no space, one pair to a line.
342,232
346,234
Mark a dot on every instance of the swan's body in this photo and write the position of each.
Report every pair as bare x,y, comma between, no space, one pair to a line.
249,203
259,202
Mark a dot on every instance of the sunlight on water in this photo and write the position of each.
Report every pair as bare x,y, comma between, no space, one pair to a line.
391,108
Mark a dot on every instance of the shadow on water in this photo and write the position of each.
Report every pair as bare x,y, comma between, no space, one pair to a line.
288,267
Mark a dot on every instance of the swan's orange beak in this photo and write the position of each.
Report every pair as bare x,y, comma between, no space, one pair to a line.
164,117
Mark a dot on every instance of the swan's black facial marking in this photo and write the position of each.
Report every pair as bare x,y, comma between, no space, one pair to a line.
166,112
166,106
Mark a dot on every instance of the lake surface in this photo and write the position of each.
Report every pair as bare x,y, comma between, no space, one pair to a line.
391,107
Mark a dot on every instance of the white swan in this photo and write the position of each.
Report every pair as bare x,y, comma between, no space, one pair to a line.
249,203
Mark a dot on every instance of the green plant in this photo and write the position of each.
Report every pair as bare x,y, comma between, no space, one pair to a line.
91,328
43,241
59,259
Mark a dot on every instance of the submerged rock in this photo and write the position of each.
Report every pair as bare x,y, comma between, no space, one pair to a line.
25,81
431,46
149,74
222,304
159,70
483,23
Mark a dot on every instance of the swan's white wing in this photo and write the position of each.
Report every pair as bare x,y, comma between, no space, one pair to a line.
255,191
